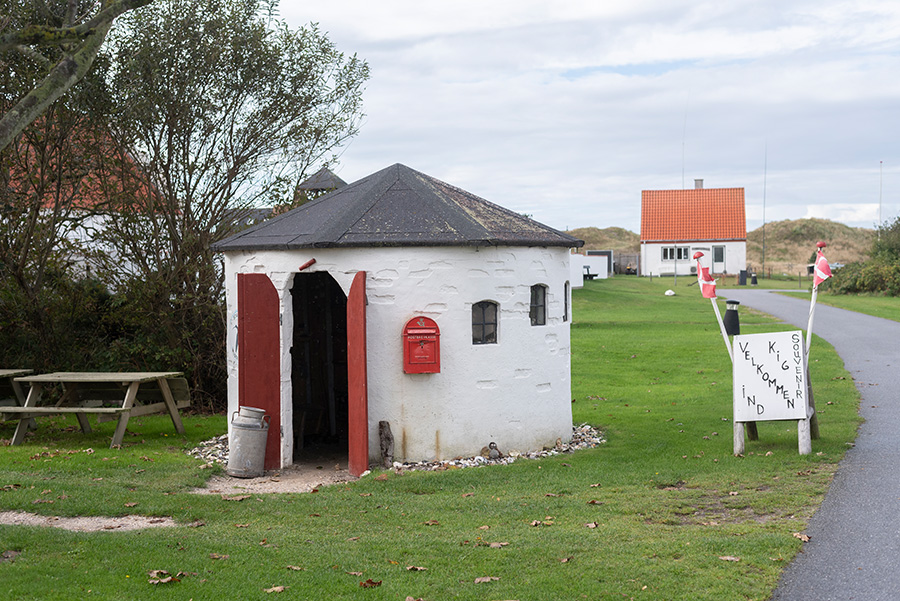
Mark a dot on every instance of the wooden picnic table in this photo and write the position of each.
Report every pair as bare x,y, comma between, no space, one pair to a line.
9,385
107,394
11,393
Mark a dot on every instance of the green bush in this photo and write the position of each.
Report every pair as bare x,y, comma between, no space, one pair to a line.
76,324
872,277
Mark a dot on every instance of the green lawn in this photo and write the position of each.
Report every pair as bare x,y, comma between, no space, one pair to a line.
887,307
663,510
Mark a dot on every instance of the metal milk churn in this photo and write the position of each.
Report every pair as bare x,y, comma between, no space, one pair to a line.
247,443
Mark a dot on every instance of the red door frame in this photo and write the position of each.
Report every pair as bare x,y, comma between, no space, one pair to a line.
357,376
259,355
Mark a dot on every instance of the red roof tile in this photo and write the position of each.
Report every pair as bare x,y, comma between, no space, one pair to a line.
696,214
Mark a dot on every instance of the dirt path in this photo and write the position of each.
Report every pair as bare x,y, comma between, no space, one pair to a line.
298,478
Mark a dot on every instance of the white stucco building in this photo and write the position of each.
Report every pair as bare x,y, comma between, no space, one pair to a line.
319,299
677,223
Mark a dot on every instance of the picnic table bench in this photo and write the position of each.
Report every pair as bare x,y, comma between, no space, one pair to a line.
109,395
587,273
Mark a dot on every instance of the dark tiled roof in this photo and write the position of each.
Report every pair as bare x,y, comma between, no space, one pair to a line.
323,179
695,214
397,206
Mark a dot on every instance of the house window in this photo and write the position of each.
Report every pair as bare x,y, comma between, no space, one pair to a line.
538,310
675,253
484,323
566,302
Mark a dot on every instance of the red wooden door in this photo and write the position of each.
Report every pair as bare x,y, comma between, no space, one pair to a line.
259,360
357,382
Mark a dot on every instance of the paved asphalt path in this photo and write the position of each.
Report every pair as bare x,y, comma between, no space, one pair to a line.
854,546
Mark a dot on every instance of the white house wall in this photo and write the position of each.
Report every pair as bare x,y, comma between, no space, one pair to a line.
599,265
516,392
652,263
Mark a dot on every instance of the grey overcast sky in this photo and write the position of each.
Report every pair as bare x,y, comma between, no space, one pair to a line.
566,110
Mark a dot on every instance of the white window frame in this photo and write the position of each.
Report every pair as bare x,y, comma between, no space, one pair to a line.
675,253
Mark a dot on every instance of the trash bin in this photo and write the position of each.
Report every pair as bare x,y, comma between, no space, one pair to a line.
742,278
753,279
247,443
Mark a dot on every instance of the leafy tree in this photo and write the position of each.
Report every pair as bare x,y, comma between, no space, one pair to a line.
47,174
223,106
880,274
886,247
63,38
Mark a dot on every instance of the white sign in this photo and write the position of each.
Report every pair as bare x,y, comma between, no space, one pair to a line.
769,377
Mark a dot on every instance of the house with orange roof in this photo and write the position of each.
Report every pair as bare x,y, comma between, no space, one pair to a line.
677,223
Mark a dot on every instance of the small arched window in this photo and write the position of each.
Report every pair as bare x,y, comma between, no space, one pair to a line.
538,309
484,322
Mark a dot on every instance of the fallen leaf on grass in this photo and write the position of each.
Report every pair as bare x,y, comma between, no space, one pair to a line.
9,555
468,494
242,525
413,598
217,556
567,559
355,573
483,579
591,525
432,523
595,485
161,577
498,545
235,498
381,477
370,583
484,527
36,501
729,558
275,589
296,568
352,538
595,502
551,494
415,569
130,504
801,536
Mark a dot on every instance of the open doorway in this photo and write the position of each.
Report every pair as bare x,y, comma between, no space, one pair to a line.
319,368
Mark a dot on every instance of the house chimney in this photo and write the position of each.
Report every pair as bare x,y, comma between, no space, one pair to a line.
698,184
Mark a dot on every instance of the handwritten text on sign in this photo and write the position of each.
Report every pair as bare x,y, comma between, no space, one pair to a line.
769,377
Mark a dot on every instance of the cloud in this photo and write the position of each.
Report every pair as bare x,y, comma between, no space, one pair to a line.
567,110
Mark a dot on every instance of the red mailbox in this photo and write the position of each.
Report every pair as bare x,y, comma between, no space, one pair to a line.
421,346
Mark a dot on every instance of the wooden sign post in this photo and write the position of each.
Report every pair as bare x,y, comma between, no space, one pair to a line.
770,383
